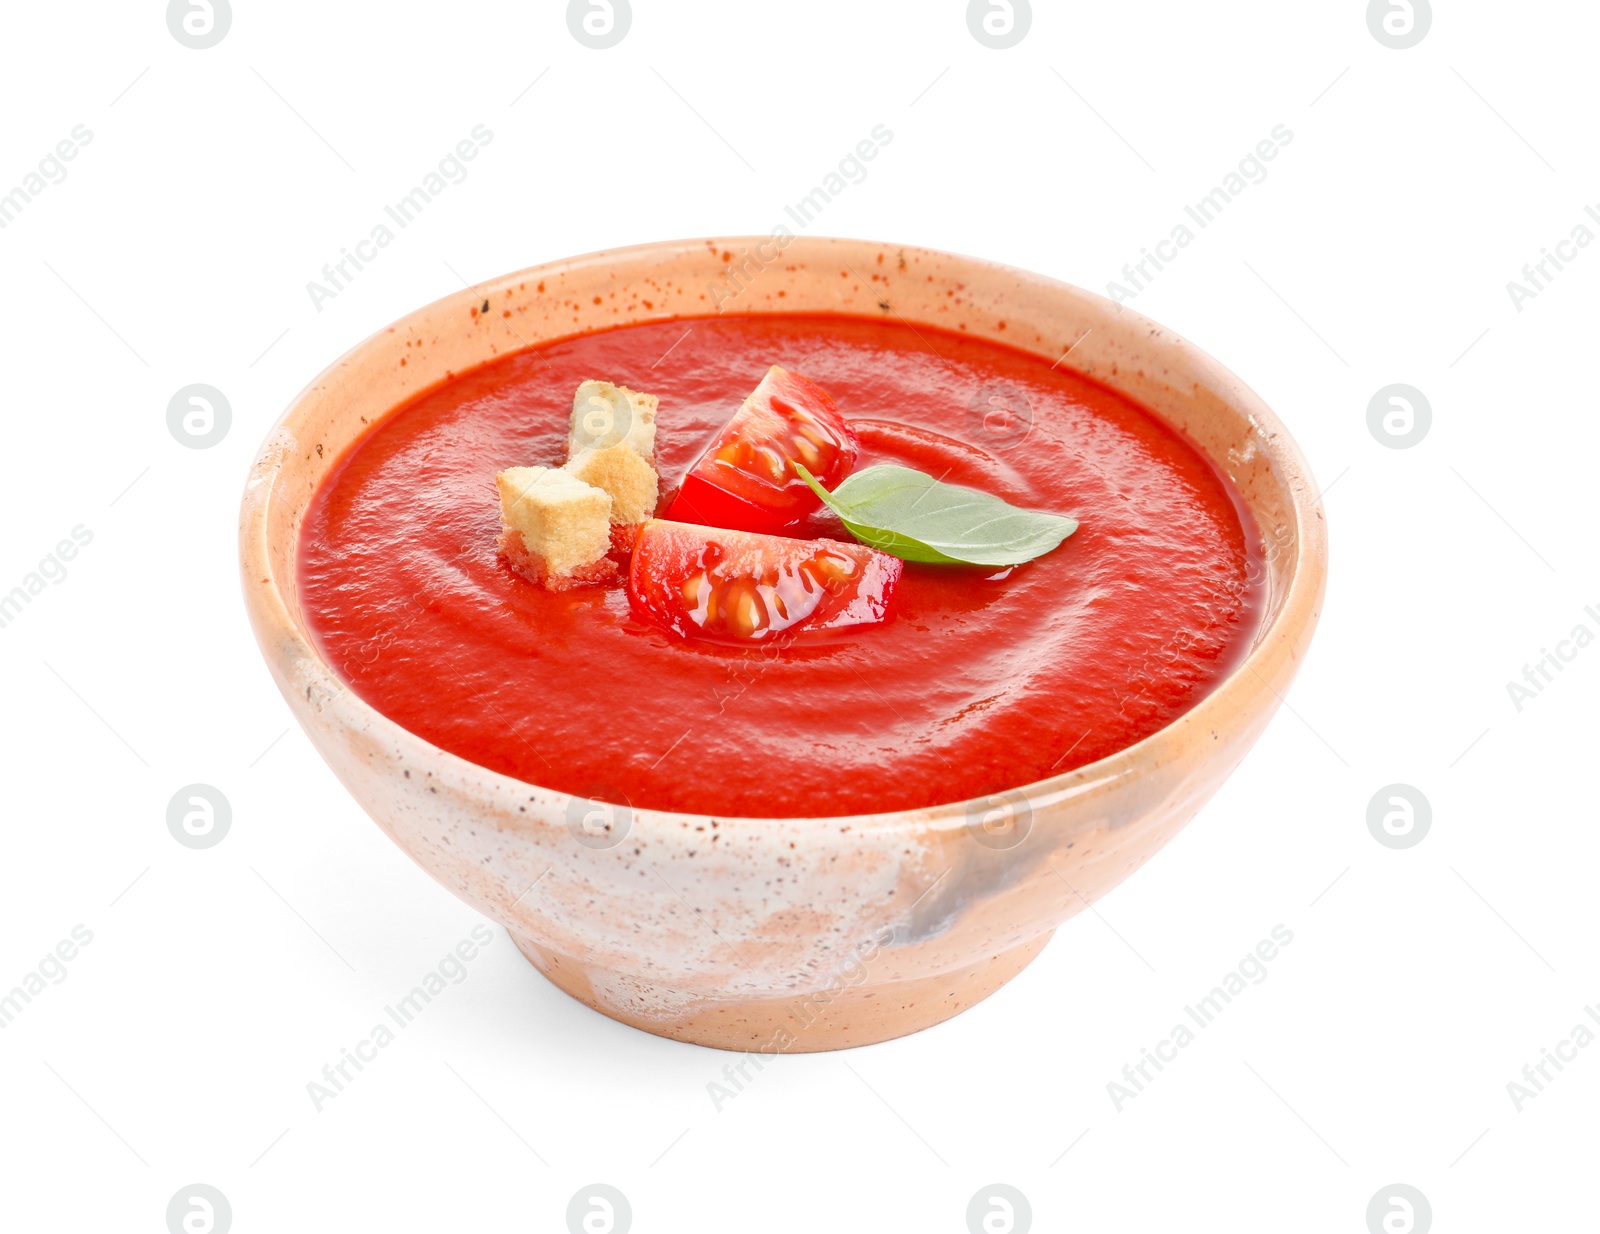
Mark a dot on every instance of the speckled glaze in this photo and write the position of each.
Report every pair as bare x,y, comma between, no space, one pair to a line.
788,934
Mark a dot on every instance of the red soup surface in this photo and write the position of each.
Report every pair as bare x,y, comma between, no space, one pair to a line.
980,680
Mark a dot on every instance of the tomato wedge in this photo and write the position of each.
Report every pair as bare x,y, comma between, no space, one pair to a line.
747,587
746,477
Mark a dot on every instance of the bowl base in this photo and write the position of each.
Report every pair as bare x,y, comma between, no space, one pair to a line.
850,1016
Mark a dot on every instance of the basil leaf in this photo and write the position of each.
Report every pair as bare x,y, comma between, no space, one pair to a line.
912,516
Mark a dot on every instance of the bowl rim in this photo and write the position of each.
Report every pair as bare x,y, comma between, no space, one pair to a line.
1244,690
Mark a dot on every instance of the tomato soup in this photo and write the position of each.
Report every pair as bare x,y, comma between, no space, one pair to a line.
980,680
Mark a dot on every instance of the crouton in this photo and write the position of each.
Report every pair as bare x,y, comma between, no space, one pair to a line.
629,479
557,529
607,415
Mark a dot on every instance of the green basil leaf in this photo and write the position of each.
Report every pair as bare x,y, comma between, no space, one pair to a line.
912,516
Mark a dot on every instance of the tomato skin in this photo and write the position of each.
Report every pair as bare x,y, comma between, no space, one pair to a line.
748,587
700,501
746,479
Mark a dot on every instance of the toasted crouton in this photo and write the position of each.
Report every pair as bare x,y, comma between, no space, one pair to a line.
557,529
607,415
629,479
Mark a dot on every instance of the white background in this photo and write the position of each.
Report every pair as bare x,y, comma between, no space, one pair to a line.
1419,983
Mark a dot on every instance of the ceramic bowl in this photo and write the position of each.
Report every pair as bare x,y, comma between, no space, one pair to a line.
881,924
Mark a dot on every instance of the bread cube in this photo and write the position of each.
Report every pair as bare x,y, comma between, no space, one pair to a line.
607,415
556,529
629,479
